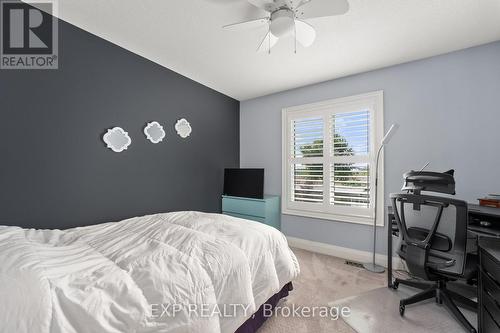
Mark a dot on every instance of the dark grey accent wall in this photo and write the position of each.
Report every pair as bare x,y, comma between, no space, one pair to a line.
55,171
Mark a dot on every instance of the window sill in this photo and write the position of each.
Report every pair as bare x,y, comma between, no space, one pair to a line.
333,217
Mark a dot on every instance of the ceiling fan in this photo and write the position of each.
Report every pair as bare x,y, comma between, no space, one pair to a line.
287,17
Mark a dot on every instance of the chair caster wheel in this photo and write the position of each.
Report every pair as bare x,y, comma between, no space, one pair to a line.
395,285
401,310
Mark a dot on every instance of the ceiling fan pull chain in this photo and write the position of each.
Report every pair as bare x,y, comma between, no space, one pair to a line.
295,37
269,52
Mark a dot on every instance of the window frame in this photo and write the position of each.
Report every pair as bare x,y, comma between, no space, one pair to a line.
372,101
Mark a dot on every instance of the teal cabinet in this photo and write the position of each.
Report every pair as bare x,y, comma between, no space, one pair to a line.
265,210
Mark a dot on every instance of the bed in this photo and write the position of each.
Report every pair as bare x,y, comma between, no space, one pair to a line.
172,272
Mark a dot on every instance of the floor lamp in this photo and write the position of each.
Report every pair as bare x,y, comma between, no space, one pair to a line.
372,267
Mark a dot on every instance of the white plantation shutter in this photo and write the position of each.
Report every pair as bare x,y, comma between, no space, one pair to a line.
328,160
308,183
351,133
308,137
307,146
349,179
350,184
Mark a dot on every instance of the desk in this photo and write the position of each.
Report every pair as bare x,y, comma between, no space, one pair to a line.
476,214
489,285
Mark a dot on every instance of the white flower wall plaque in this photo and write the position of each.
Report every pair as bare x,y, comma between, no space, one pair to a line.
183,128
154,132
117,139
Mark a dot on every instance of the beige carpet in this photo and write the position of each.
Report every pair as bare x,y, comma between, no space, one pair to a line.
323,280
371,315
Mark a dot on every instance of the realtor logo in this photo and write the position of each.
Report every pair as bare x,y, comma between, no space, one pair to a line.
29,35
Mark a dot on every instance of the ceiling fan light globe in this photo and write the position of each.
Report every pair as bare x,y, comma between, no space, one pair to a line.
282,22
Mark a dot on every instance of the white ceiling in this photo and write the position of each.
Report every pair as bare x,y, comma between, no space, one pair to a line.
186,36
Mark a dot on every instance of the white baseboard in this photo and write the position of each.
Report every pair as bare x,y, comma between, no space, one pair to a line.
343,252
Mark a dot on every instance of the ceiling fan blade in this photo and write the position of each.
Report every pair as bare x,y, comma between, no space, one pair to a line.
267,5
267,43
321,8
304,33
247,24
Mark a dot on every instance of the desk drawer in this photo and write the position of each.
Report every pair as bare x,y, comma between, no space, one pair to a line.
244,206
489,266
488,324
490,286
491,306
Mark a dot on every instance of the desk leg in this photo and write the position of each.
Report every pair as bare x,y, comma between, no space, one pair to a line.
389,253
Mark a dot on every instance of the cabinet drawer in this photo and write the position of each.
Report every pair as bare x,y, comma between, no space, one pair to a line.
490,286
491,267
244,206
246,217
488,325
490,305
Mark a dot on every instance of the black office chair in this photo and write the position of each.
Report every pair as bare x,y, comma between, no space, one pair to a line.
433,243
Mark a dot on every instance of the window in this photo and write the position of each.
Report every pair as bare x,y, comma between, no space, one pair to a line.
329,158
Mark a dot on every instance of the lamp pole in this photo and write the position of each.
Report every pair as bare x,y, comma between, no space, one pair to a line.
373,267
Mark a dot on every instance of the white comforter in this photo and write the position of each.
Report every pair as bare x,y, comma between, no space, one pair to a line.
169,272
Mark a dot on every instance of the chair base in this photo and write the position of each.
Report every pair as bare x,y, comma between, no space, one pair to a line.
443,295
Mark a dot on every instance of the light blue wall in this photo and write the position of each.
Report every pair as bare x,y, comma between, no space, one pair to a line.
449,111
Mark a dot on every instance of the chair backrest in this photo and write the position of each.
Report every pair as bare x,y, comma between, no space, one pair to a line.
433,233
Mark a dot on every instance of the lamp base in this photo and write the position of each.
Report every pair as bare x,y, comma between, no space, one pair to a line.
374,268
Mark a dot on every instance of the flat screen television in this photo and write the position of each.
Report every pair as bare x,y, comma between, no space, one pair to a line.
247,183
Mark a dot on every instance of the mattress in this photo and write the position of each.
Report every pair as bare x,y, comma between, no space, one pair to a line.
173,272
